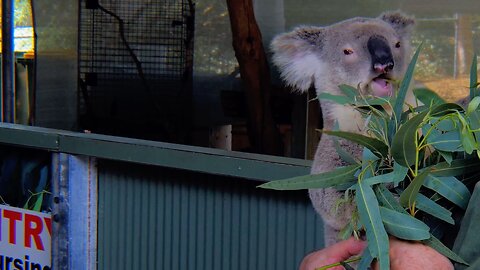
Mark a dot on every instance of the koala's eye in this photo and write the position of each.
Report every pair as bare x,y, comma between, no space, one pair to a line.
397,45
347,51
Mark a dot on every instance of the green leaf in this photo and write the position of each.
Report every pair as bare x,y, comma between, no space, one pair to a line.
468,140
450,188
404,145
335,98
344,155
346,232
378,179
456,167
403,225
473,105
448,141
366,260
409,195
436,244
447,124
448,156
349,91
38,203
474,122
434,209
370,101
370,217
473,78
386,199
378,147
445,108
404,86
339,176
399,173
427,96
369,161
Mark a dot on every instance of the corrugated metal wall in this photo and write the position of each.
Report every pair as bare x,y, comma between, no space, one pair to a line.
159,218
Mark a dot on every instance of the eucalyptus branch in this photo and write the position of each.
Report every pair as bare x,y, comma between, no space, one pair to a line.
355,259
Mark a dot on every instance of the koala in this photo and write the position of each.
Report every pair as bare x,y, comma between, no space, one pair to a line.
367,53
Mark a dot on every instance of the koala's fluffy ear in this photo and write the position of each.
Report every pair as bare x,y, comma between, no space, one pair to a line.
402,23
296,54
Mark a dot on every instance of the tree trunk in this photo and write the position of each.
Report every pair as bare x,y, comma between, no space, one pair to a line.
250,54
464,44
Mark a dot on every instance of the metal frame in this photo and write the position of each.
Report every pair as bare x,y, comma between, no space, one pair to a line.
74,238
191,158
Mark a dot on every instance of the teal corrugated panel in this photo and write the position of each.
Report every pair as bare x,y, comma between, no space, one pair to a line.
159,218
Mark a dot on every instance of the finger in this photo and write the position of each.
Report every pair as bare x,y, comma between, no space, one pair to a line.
346,249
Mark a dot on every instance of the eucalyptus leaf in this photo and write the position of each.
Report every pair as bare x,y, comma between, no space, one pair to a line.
473,78
366,260
448,141
409,195
368,161
404,145
378,179
468,140
447,124
349,91
447,156
450,188
427,96
399,173
371,101
335,98
346,232
344,155
404,86
339,176
436,244
474,122
403,225
445,108
456,167
386,199
434,209
369,212
473,105
378,147
38,202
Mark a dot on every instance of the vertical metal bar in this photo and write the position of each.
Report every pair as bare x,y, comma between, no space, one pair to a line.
455,48
8,63
60,211
82,219
74,243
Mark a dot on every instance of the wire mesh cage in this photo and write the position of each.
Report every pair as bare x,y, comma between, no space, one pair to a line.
135,66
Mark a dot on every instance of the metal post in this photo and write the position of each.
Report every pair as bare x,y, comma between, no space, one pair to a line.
74,188
8,64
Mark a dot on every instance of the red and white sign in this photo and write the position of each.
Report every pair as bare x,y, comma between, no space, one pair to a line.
25,239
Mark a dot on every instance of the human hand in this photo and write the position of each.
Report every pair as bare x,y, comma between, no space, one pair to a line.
333,254
415,256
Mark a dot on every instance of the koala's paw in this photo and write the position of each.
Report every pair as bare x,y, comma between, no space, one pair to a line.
326,203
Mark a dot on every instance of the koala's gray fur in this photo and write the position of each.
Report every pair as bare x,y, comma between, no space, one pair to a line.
329,56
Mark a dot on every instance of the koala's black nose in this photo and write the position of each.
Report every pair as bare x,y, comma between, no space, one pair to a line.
382,59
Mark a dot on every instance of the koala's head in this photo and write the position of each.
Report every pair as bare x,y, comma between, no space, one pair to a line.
365,52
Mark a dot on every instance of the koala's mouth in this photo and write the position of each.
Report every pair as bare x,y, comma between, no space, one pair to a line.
382,86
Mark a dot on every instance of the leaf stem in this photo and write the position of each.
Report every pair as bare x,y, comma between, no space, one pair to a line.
354,259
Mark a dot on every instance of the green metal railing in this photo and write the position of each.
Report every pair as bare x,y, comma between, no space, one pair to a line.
154,205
